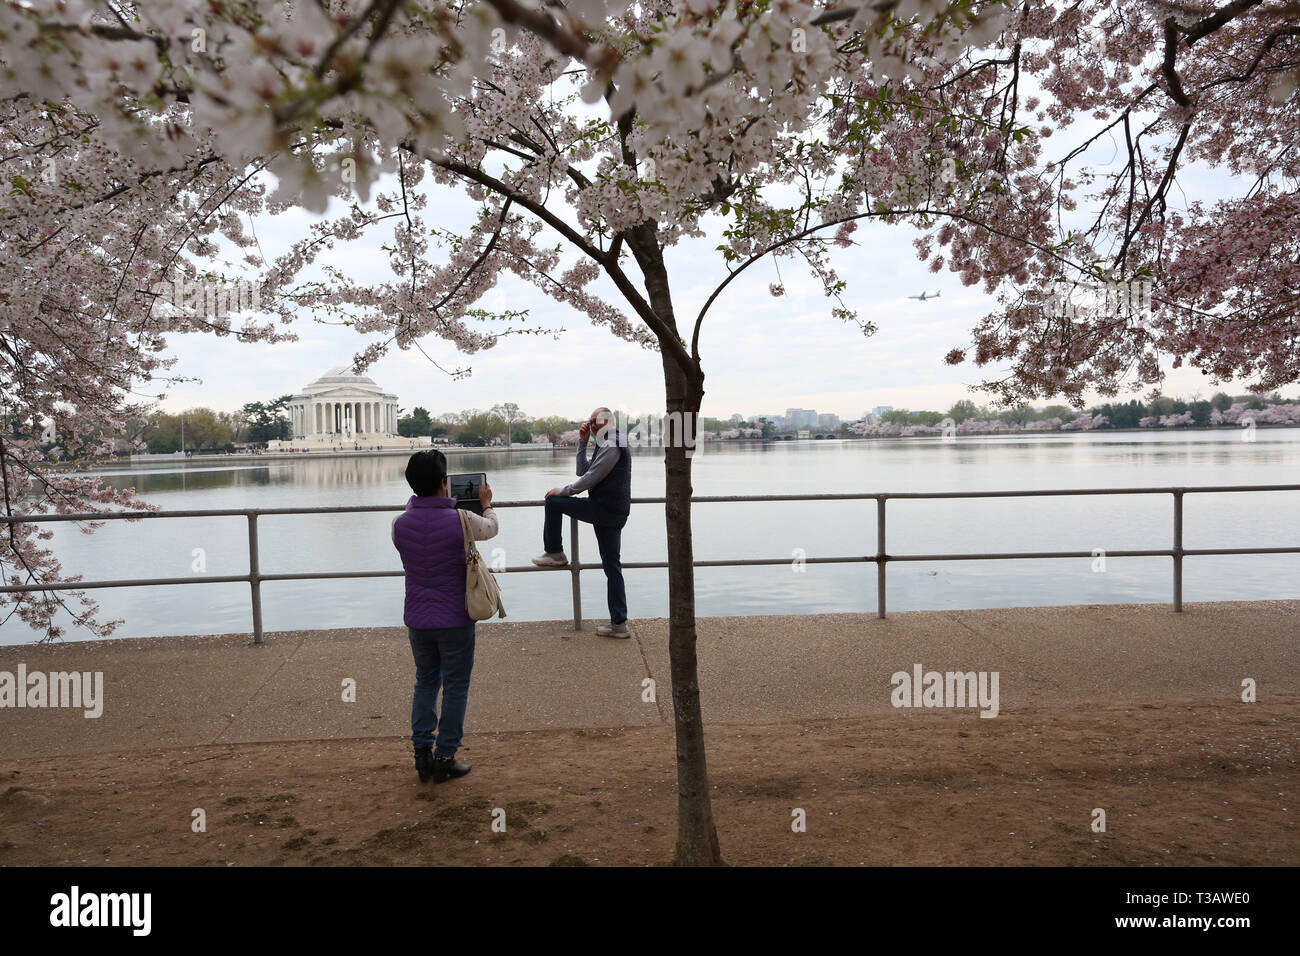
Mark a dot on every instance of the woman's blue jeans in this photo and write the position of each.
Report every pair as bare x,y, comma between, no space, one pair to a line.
444,657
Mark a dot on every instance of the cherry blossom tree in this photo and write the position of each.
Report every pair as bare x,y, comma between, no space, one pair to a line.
1085,423
141,140
1173,89
1280,415
695,110
1270,414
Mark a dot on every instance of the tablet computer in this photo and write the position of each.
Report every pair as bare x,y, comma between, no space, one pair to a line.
464,488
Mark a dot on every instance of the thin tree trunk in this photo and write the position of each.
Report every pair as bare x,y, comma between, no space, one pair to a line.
697,837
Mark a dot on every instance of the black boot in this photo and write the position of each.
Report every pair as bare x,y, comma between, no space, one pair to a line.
445,768
424,763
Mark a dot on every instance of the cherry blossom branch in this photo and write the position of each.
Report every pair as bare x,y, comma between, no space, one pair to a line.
668,339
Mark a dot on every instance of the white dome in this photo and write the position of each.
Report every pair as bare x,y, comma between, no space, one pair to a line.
343,375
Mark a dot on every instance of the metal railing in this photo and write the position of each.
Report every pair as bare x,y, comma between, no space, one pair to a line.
881,558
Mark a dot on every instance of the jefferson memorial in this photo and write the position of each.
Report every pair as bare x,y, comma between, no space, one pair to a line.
339,407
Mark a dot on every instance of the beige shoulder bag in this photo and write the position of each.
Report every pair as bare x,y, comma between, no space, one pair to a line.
482,593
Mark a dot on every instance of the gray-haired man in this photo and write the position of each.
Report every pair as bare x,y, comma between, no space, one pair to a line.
607,479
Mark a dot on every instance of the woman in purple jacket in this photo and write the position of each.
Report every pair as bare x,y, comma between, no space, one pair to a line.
428,536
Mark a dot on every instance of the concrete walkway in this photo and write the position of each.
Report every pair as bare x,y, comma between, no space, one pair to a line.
181,691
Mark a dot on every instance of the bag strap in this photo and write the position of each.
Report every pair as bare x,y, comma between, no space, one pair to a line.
464,533
468,538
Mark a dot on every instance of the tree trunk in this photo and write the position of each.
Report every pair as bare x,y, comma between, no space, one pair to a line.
697,837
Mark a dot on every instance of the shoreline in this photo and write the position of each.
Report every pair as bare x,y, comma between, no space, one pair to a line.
150,460
145,461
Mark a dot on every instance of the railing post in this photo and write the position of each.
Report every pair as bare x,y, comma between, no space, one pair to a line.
254,577
575,572
880,557
1178,550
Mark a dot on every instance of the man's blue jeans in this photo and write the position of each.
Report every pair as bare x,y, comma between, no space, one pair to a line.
444,657
609,539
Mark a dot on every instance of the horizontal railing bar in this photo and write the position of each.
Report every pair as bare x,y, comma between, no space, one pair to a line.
1018,555
701,499
717,563
129,583
1042,493
1187,551
1031,493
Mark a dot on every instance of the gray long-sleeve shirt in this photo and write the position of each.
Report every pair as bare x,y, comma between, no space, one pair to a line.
592,472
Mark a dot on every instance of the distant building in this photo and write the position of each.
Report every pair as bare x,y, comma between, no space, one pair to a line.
342,411
801,417
341,403
828,420
882,409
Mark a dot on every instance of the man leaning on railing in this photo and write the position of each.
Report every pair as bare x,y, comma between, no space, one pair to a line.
607,479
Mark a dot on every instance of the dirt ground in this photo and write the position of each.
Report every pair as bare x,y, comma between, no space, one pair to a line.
1181,782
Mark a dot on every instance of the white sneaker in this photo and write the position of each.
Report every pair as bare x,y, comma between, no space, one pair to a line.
614,630
557,560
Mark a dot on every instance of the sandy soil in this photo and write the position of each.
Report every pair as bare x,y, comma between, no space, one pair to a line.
1182,782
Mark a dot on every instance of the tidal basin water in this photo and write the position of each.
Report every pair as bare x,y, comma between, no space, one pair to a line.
301,543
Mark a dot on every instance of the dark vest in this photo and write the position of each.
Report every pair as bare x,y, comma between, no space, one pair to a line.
613,494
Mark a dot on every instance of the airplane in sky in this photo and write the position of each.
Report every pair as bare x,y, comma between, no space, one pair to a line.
924,295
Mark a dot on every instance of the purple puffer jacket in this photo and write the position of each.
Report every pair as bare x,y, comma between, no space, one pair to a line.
429,539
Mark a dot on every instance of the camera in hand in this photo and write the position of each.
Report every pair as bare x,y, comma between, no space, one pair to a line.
465,489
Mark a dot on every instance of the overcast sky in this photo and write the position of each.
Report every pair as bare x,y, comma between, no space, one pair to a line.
761,354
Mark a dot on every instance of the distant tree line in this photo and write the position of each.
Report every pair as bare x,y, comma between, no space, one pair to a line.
1116,415
256,423
477,428
205,430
